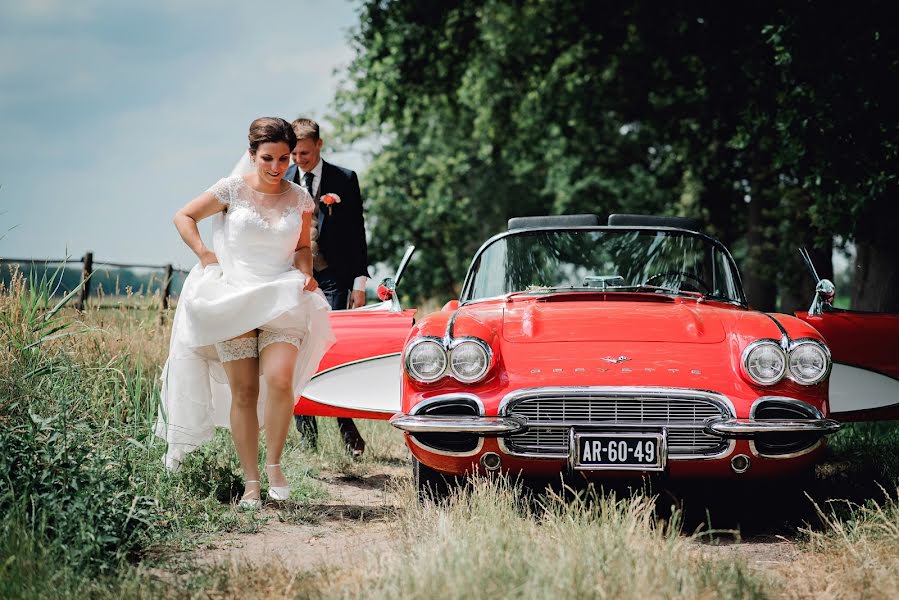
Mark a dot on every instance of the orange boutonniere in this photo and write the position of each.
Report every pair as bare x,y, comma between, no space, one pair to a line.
330,199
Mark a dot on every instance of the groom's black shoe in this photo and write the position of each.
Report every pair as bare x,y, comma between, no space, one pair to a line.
352,439
308,428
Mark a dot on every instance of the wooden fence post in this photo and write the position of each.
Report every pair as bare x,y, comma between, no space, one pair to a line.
86,279
167,289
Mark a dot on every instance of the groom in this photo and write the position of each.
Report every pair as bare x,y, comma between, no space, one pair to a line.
339,251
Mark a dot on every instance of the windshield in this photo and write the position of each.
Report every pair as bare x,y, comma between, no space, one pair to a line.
664,262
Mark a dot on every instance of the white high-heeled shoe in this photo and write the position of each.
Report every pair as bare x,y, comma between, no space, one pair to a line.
172,463
278,492
250,503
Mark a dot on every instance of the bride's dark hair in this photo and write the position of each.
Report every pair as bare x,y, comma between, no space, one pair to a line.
270,130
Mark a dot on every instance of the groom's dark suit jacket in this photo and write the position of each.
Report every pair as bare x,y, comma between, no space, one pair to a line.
341,237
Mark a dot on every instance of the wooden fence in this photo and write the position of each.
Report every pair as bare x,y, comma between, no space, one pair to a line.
87,269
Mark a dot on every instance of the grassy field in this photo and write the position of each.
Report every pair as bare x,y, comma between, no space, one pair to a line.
88,511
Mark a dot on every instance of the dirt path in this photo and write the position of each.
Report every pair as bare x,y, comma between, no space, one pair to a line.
355,521
357,518
760,551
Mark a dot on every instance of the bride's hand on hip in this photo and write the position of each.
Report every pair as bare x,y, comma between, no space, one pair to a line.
311,284
208,258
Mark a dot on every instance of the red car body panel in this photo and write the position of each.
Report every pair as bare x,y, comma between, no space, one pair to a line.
596,344
700,351
565,339
361,335
865,341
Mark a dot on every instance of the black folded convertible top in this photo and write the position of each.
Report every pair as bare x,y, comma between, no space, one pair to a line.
554,221
622,220
615,220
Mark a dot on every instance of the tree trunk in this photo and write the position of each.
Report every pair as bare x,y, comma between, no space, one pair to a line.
718,202
877,261
762,254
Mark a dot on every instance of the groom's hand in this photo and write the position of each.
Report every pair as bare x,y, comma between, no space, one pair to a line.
357,298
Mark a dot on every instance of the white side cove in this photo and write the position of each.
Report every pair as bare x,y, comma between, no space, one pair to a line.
371,384
854,389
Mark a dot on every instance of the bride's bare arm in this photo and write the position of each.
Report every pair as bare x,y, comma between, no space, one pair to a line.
302,258
204,205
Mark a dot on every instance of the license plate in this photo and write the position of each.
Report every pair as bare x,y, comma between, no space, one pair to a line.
627,451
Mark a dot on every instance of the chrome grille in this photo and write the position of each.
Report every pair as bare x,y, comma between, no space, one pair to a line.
550,416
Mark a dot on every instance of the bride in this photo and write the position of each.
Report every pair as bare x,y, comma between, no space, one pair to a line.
251,326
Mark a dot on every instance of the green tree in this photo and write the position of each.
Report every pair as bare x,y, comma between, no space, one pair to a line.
838,124
482,110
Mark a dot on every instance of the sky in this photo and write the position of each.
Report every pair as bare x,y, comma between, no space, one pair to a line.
115,114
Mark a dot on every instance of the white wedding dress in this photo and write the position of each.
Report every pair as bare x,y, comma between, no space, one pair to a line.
254,286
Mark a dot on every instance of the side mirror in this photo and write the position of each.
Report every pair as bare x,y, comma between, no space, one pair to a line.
386,289
823,300
387,292
824,289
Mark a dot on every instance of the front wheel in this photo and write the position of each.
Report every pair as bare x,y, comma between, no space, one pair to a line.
431,484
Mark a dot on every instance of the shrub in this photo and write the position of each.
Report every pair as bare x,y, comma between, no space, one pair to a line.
71,484
77,496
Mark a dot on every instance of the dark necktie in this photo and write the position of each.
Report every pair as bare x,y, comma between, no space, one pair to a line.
308,177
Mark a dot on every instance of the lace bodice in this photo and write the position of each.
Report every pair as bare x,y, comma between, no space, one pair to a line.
259,232
234,191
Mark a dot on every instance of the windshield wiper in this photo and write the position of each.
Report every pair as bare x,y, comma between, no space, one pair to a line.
539,289
534,290
653,288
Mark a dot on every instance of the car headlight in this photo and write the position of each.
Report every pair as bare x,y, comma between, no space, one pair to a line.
765,362
469,360
426,360
809,361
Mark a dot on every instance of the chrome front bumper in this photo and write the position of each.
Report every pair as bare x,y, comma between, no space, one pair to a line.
750,427
503,426
461,424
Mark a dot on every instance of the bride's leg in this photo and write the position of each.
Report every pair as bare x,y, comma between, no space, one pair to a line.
277,360
241,363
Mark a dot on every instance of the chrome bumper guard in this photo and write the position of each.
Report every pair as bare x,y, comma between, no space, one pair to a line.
752,427
460,424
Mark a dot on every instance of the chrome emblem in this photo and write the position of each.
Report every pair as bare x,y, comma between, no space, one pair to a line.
614,361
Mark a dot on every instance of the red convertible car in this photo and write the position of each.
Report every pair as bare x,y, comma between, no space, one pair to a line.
606,351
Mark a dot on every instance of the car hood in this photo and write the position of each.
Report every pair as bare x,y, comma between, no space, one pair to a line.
583,321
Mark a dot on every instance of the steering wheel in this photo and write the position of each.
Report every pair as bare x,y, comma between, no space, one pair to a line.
706,289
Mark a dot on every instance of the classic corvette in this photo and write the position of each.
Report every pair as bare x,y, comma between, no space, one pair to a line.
607,351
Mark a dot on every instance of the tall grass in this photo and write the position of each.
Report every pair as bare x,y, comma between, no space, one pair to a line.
867,451
73,488
856,554
82,490
86,509
488,541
